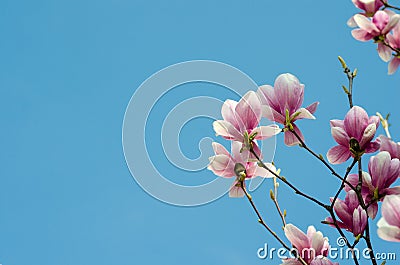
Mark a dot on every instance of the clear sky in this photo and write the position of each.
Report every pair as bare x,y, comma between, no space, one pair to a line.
67,72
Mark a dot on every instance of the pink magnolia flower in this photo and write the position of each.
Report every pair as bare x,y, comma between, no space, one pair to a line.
394,41
387,144
389,224
312,247
377,29
241,120
356,131
226,165
370,7
282,104
383,172
352,217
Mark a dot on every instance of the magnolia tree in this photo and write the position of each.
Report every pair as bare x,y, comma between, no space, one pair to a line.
365,192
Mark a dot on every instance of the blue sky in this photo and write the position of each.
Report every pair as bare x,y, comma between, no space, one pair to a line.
68,70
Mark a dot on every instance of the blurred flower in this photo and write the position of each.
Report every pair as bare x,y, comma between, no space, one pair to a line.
376,28
312,248
383,172
282,104
370,7
237,165
352,217
240,121
354,135
394,42
389,224
390,146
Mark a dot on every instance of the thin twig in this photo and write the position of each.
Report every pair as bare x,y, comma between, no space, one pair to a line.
320,158
369,244
348,170
274,197
389,6
262,222
284,180
350,76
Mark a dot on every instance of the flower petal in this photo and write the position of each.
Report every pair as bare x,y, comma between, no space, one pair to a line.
222,165
342,212
303,114
379,167
272,114
312,107
296,237
368,135
393,65
351,22
264,132
355,122
337,123
372,147
380,20
386,144
229,114
361,35
340,136
227,130
219,149
289,92
365,24
384,52
249,110
338,154
236,190
318,242
268,97
391,210
388,232
394,19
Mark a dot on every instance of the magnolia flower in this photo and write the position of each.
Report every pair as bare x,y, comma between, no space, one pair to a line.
369,6
377,28
383,172
236,165
241,120
394,42
354,135
352,217
282,104
389,224
390,146
312,248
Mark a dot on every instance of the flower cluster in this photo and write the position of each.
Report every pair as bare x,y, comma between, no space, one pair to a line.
240,124
364,192
355,137
380,25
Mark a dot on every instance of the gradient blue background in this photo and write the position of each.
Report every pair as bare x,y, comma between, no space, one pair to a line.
67,72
